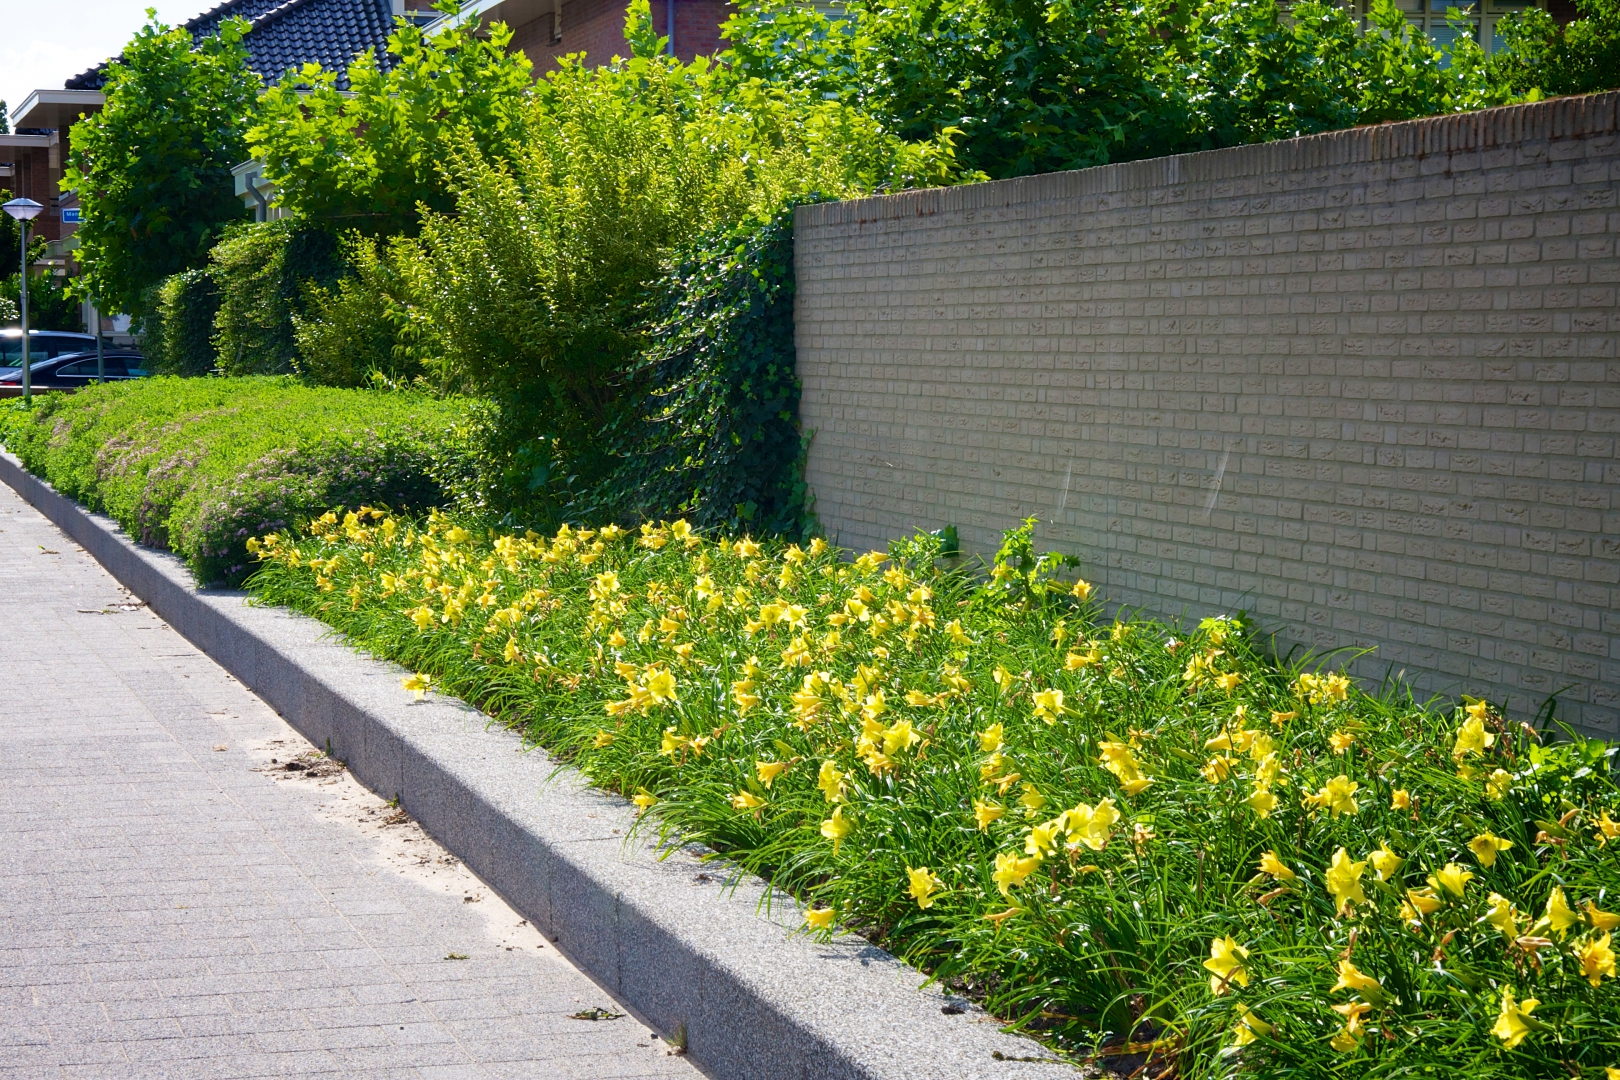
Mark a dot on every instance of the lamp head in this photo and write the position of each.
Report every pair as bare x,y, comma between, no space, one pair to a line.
22,209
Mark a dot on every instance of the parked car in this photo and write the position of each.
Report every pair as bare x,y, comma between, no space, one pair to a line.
70,371
42,345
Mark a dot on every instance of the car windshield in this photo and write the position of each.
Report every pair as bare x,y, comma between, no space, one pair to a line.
41,346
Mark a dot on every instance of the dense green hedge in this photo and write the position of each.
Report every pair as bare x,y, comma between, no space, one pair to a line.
177,337
197,466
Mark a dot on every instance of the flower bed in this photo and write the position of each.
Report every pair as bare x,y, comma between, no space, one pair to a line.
197,466
1164,851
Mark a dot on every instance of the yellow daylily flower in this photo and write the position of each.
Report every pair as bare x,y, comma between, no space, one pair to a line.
1472,738
1424,901
1271,864
1225,964
418,684
603,738
1341,741
1559,915
746,800
1452,879
1228,680
1092,827
768,771
1118,759
1337,796
1011,870
1486,847
1042,838
1048,705
1081,590
1261,801
1607,829
1350,1038
1343,881
1385,863
1357,981
831,781
661,685
818,918
1499,912
836,828
1401,799
1498,784
1597,959
922,884
990,739
985,813
1032,799
1248,1028
1513,1024
1601,920
644,800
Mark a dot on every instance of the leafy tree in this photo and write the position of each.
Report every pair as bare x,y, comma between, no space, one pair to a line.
1548,59
1035,86
623,164
49,305
152,168
5,124
367,158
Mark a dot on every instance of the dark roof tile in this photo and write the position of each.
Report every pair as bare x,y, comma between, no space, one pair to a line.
284,35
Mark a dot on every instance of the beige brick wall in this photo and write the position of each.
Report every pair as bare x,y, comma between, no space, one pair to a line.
1364,385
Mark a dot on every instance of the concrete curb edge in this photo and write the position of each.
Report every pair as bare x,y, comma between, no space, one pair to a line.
666,936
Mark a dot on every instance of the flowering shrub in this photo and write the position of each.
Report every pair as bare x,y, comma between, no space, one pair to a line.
1166,852
198,466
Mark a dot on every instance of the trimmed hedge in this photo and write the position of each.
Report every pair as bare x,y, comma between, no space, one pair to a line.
197,466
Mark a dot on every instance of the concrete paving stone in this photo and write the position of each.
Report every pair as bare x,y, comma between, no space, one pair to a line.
167,912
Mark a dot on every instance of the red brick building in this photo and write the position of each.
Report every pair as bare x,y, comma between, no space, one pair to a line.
547,29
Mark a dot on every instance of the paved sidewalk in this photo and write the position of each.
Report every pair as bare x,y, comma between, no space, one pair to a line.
174,903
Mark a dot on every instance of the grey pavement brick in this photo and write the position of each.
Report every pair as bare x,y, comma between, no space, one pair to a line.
167,912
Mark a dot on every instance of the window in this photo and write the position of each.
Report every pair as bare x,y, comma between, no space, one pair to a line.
1429,16
86,369
41,347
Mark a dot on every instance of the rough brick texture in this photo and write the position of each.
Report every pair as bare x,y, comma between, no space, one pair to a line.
1363,385
596,28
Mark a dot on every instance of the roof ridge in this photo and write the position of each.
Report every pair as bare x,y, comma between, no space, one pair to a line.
196,20
278,12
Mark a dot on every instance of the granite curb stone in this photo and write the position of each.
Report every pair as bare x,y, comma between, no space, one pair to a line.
715,960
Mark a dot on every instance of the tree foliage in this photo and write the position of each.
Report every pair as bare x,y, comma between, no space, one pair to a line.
542,289
152,168
1041,85
369,157
263,270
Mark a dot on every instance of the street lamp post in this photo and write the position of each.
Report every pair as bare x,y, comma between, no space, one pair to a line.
24,211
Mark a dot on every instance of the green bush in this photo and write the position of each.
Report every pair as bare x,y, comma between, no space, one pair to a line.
263,270
198,466
1034,86
369,157
625,165
716,437
177,334
1110,832
365,328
